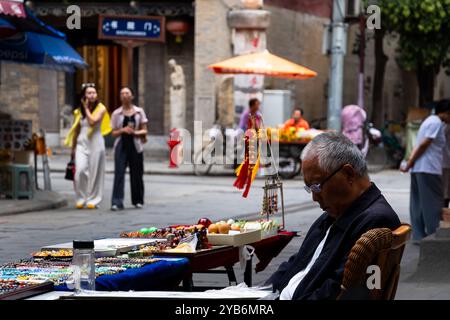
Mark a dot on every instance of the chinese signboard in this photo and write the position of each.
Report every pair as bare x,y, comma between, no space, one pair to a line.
138,28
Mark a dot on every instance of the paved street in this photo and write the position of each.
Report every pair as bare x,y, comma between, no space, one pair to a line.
183,199
170,199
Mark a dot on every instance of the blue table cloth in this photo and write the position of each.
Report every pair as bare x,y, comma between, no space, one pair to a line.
161,275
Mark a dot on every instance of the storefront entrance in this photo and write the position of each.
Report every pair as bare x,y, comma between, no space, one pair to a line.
107,69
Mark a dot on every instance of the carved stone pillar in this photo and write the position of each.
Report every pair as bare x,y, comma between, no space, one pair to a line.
249,25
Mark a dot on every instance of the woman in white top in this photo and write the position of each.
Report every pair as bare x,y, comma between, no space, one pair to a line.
88,148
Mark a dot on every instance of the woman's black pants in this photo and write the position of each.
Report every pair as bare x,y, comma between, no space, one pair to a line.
124,158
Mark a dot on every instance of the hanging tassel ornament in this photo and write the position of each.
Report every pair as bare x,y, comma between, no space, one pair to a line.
247,171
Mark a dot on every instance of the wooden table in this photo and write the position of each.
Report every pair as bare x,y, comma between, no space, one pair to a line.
205,261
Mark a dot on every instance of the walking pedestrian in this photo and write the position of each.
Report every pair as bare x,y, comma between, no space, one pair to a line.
425,162
129,124
353,118
251,116
91,123
446,166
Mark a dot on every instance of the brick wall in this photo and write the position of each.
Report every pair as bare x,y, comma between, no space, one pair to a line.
212,44
61,90
48,101
298,37
321,8
151,85
32,93
396,82
19,92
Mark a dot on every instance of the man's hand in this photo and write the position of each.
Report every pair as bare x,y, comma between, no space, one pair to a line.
417,153
407,166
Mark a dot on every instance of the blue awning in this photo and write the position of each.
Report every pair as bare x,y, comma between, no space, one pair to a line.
7,29
41,49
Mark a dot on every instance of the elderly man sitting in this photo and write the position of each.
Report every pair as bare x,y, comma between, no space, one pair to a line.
335,173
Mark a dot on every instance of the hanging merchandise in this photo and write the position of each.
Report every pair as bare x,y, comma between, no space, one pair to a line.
247,171
272,186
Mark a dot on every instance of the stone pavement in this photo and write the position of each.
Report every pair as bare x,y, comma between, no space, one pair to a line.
45,200
58,162
183,199
42,200
152,165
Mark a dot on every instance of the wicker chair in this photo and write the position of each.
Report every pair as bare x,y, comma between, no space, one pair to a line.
381,247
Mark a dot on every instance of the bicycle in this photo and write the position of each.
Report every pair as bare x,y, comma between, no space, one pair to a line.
203,165
394,150
289,162
385,150
375,154
319,123
230,159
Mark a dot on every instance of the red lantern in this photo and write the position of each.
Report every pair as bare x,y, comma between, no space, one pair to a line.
178,28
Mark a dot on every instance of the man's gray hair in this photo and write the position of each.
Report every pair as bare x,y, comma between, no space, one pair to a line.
333,150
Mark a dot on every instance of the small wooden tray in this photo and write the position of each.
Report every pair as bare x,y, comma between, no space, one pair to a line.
27,292
235,240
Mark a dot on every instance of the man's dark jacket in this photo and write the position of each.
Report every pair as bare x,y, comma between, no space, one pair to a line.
323,281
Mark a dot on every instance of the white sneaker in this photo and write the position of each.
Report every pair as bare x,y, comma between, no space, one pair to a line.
114,208
139,206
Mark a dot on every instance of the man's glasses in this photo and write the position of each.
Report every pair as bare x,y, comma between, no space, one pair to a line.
317,187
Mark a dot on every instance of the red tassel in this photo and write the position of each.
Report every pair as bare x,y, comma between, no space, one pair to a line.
242,177
247,188
249,181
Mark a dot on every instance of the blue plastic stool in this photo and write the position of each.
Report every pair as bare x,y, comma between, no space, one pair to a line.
17,181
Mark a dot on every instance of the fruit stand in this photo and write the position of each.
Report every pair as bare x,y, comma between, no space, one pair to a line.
291,142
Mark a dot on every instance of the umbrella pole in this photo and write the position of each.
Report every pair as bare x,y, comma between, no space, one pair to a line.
270,146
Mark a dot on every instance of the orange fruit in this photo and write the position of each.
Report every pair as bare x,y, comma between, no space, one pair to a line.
224,228
213,228
235,227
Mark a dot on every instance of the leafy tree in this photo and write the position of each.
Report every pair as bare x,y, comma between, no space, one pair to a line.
423,28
